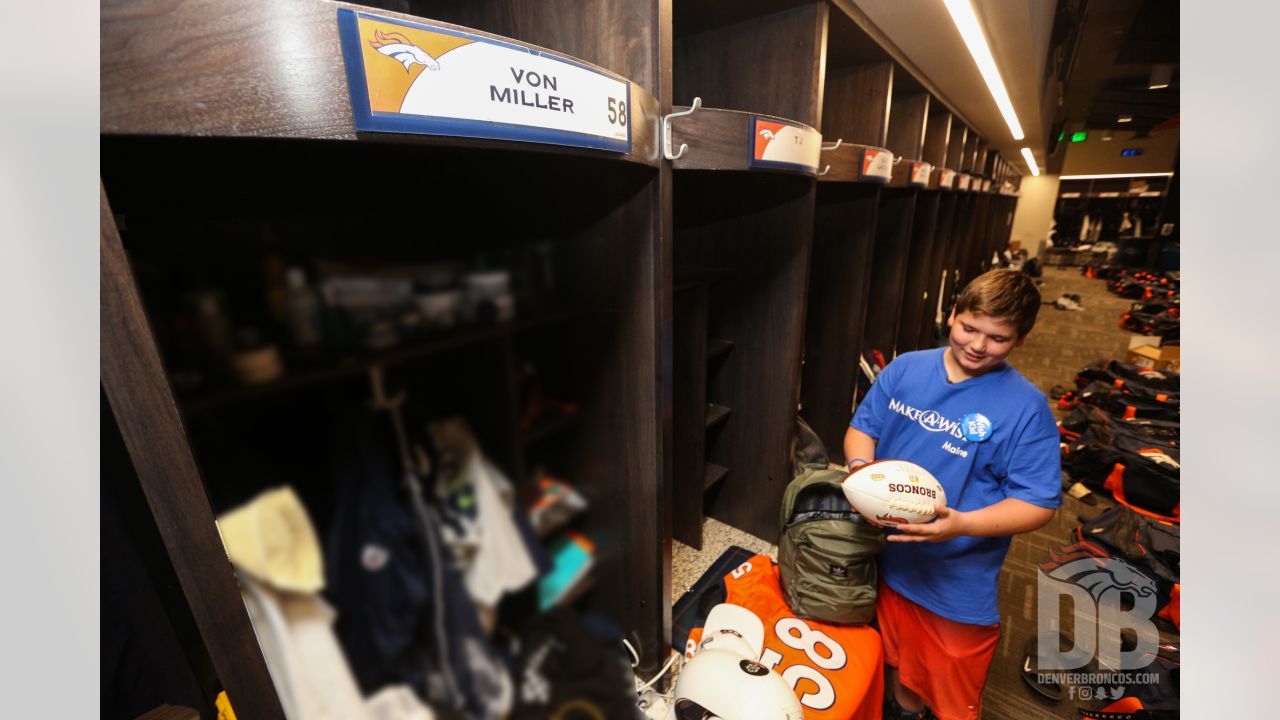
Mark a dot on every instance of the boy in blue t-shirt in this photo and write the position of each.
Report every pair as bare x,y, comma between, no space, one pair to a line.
988,436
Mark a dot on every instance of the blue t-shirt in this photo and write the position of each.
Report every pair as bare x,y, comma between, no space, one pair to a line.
985,439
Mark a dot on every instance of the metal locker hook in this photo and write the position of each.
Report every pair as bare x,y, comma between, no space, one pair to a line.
666,130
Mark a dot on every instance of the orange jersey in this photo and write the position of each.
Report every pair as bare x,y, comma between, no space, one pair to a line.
837,671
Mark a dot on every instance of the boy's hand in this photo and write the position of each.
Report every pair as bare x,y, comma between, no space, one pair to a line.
946,525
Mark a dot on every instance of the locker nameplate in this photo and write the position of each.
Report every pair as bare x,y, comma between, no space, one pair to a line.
783,145
877,165
920,173
419,78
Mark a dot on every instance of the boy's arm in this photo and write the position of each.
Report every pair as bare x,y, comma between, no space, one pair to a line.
858,446
1010,516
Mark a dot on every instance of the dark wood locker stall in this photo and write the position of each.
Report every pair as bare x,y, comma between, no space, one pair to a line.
271,163
743,232
908,124
856,127
894,217
936,141
936,308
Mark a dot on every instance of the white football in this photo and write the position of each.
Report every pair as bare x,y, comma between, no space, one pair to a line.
893,492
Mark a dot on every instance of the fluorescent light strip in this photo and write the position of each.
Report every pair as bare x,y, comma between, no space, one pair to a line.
1031,162
1120,175
967,23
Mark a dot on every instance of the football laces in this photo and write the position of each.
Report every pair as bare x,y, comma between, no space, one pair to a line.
911,507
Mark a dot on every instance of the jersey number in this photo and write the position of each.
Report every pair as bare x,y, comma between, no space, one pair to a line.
821,651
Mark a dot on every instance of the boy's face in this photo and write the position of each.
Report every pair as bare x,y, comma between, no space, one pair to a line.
981,342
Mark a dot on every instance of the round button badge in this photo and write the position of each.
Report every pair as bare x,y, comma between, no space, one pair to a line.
975,427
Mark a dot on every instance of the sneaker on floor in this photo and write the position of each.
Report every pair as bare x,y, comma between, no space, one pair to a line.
1047,689
1082,493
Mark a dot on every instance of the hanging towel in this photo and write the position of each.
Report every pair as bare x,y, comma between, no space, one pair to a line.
502,564
271,538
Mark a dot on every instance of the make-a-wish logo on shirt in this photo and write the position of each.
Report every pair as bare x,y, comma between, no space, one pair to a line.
930,420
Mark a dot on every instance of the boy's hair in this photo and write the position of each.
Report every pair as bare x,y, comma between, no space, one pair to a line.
1008,295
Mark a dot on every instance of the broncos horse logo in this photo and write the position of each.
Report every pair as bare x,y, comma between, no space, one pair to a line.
398,47
1099,575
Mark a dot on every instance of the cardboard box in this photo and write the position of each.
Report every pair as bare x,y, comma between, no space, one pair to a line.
1146,352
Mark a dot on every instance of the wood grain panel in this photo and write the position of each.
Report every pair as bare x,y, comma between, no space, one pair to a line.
844,164
790,44
970,153
937,134
894,219
689,405
142,402
975,242
938,252
269,69
718,139
958,247
908,118
856,106
752,231
955,146
915,287
843,236
619,265
618,35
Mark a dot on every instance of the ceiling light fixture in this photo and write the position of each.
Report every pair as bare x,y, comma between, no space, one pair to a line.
1161,75
1124,118
966,21
1118,175
1031,162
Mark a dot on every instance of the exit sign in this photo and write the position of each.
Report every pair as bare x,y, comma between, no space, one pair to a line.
1131,152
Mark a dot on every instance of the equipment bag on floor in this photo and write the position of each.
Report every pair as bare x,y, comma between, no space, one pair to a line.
1125,376
1151,546
1113,400
1141,473
827,554
1082,417
1164,325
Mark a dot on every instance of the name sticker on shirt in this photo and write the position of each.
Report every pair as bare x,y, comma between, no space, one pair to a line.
975,427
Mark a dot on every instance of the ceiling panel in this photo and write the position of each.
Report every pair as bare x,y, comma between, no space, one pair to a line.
1018,32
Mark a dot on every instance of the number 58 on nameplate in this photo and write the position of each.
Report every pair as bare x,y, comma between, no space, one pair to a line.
415,77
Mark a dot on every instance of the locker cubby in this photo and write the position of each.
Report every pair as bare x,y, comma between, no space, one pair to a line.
744,235
282,170
857,99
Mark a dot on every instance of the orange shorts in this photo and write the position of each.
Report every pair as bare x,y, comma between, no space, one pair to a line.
941,660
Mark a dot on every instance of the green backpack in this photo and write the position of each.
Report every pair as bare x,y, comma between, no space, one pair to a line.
827,552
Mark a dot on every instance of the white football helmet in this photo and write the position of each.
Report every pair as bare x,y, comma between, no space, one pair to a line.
723,684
